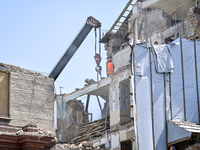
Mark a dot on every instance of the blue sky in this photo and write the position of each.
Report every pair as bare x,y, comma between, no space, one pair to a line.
34,34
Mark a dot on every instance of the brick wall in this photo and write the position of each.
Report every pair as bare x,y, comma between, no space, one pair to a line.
31,100
156,20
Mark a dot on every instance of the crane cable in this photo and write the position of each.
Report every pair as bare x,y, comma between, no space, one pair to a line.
97,56
95,34
99,41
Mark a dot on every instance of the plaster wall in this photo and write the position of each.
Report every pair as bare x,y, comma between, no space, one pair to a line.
115,89
121,58
31,100
115,140
118,107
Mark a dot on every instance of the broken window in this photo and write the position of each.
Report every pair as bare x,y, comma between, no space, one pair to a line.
4,94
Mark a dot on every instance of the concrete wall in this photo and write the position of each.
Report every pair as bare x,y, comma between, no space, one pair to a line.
155,20
31,100
115,138
118,107
121,136
4,94
121,58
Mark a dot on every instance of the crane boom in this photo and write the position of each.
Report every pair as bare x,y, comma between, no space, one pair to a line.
90,23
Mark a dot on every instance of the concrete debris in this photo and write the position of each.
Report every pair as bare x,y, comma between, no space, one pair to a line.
19,132
92,129
40,132
193,21
12,68
31,124
119,127
89,81
45,132
82,146
193,147
71,119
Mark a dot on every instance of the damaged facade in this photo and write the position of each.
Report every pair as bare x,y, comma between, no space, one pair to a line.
142,106
25,97
151,98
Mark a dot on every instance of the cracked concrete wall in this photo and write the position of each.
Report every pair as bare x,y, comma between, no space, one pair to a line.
118,112
31,100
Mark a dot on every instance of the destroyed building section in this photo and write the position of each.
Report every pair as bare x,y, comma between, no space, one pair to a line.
77,118
26,96
153,21
72,118
116,95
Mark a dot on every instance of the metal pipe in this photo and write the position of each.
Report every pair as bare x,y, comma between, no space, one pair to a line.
150,51
62,118
95,38
196,71
99,103
134,70
183,77
87,102
166,131
107,111
99,41
170,93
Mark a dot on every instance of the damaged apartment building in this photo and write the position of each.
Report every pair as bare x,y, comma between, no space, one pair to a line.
152,97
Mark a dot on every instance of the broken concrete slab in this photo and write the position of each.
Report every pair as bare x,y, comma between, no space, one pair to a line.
100,88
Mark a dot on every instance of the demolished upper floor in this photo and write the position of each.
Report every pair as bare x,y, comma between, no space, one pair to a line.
156,21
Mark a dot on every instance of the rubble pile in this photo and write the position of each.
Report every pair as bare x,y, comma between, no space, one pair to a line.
193,21
119,127
193,147
29,129
91,130
18,136
13,68
82,146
